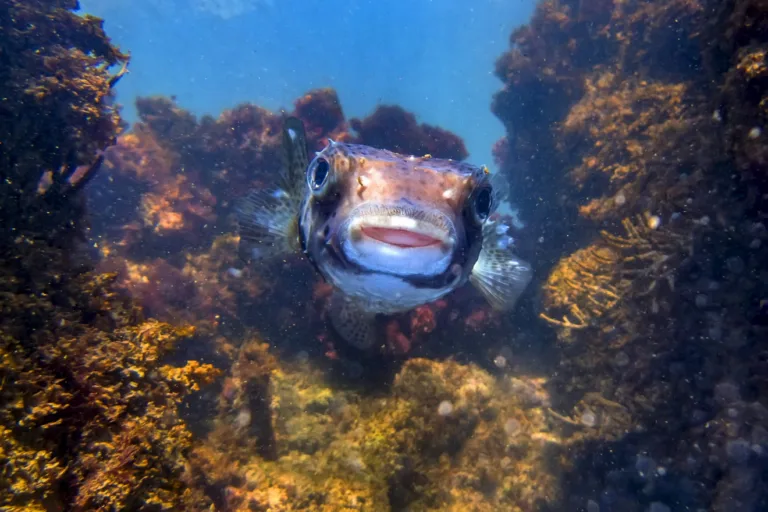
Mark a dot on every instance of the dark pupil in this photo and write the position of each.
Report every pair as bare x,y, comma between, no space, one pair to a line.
483,203
321,172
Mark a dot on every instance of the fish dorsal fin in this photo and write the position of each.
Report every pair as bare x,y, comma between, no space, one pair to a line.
295,160
268,218
498,273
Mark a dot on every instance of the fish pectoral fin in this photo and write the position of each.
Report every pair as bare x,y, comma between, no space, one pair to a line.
268,224
355,325
500,275
268,219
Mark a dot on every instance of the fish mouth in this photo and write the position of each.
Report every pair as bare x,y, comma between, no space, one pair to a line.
400,236
400,242
401,231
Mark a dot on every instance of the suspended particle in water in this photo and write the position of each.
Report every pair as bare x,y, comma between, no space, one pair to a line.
592,506
445,408
621,359
500,361
658,506
735,265
727,392
754,133
235,272
302,357
588,419
243,419
504,242
502,229
620,198
654,221
701,301
512,427
645,466
738,450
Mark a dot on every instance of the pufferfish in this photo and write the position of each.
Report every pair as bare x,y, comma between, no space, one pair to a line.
389,232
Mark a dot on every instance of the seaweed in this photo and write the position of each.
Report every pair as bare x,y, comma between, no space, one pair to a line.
653,144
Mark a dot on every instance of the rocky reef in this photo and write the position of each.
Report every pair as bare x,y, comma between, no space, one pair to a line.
144,368
649,117
88,406
171,238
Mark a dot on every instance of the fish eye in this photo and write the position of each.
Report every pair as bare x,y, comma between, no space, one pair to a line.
483,204
318,173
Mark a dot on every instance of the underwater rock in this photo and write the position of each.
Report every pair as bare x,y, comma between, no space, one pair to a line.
647,202
340,448
56,115
392,128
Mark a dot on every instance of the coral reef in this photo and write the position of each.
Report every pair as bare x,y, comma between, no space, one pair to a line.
650,115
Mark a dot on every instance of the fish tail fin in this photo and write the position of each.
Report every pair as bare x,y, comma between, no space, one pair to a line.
498,273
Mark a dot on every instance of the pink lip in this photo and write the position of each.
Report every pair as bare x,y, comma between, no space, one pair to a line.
399,237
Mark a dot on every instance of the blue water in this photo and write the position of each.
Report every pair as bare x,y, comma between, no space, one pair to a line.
432,57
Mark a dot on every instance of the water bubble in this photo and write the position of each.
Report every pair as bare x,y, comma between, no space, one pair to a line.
717,116
620,198
592,506
755,132
235,272
445,408
502,229
512,427
588,419
500,361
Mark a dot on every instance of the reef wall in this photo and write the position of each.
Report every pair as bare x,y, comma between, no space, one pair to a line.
642,125
632,377
166,195
88,409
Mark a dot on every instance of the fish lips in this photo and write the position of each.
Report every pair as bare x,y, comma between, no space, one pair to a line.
398,240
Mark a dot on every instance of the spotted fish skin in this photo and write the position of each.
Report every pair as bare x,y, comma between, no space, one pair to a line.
390,232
